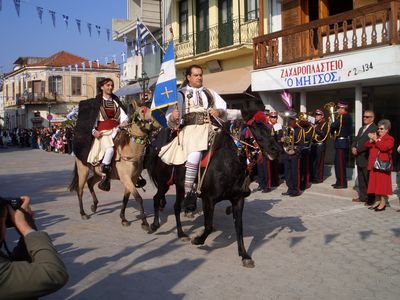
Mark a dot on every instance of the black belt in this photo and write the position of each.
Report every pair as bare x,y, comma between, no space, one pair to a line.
196,118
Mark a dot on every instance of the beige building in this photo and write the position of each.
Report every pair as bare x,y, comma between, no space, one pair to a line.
39,89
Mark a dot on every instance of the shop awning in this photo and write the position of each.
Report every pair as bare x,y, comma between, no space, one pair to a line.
133,89
235,81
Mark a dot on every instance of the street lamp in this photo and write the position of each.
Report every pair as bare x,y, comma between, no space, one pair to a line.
49,117
144,83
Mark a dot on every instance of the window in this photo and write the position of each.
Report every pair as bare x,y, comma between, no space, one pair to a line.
183,20
251,10
76,86
55,84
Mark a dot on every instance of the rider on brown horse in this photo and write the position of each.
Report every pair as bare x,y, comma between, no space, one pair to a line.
98,122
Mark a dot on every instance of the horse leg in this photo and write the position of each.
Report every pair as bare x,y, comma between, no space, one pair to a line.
180,195
129,186
83,173
237,209
157,200
124,221
208,210
91,182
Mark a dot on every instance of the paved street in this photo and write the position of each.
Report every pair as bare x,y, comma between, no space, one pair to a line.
316,246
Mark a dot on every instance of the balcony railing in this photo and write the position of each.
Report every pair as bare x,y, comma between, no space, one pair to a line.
38,98
362,28
235,32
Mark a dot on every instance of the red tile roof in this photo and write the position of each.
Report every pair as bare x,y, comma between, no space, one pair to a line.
64,58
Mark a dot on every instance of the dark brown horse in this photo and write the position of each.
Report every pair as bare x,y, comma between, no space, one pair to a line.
130,147
227,178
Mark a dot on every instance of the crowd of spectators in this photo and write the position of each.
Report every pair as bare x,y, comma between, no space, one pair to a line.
54,139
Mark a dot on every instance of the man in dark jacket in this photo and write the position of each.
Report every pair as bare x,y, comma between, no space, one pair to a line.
361,155
342,130
34,268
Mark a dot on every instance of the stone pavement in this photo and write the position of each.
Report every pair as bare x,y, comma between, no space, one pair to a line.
316,246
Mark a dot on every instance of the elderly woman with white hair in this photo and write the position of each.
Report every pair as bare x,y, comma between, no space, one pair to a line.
380,146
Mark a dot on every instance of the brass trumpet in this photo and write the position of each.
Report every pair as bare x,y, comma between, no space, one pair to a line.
288,132
332,108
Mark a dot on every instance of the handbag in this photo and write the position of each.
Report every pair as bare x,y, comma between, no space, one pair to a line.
383,165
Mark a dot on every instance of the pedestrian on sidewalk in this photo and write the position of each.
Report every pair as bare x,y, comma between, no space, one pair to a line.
360,152
380,146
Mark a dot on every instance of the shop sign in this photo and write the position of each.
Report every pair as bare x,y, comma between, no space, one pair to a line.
367,64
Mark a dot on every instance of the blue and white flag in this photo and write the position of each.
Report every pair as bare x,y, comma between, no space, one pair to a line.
141,34
165,91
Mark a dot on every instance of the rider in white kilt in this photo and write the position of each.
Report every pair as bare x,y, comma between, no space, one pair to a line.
197,106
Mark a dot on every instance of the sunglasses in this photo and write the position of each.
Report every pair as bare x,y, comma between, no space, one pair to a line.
367,116
273,117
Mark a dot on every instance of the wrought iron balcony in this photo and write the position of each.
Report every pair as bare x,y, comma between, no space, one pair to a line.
234,33
365,27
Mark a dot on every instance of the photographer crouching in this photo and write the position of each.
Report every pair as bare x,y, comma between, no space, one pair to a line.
33,268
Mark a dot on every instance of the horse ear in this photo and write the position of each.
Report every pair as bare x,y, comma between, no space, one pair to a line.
134,105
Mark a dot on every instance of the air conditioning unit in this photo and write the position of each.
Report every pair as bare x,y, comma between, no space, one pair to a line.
132,68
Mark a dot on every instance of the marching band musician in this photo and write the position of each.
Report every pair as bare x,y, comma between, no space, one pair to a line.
341,129
277,133
291,160
306,135
318,147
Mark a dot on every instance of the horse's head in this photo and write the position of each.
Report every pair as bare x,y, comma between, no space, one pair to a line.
142,122
255,122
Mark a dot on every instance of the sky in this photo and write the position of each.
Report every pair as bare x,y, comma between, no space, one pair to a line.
26,36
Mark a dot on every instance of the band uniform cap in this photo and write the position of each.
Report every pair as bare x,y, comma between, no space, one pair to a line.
342,104
319,112
273,114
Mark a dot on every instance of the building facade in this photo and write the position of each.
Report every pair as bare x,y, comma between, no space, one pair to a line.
41,91
325,50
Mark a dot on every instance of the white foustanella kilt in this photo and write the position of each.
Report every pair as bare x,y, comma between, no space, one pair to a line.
100,146
192,138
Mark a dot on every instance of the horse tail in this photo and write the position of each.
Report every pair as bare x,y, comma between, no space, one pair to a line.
73,186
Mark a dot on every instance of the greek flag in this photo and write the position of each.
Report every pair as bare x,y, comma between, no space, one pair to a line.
165,90
141,34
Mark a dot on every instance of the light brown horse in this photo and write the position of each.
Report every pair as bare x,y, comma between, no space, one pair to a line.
130,147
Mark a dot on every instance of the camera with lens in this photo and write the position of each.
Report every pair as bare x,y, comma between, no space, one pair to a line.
14,202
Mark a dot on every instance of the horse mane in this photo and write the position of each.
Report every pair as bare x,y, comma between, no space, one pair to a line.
121,139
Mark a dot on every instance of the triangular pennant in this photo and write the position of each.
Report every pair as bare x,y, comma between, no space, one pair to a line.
53,17
17,4
78,24
40,13
66,18
98,28
108,34
89,26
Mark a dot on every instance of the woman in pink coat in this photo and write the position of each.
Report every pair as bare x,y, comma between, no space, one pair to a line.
380,145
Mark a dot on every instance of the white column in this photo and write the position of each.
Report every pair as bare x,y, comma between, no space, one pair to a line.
303,102
358,110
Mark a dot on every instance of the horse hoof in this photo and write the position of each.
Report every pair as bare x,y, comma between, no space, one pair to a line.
125,223
85,217
93,208
154,228
197,241
146,228
248,263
